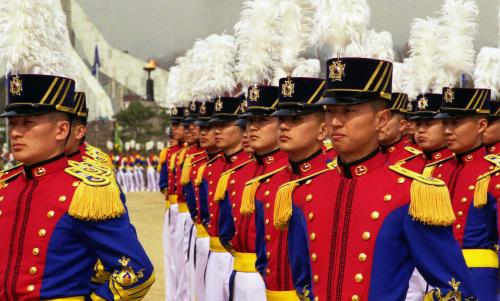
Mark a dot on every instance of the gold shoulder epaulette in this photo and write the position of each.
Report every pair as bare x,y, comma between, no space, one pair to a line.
186,168
8,175
98,155
483,181
171,163
283,201
182,155
163,155
201,169
224,178
413,151
333,164
430,200
429,168
250,189
97,197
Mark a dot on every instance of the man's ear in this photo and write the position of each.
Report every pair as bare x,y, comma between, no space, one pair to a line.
403,125
81,131
482,125
382,118
62,130
323,132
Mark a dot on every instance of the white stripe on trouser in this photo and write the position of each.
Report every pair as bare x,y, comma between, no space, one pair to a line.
151,179
191,235
418,287
181,238
219,268
249,287
168,260
202,248
120,179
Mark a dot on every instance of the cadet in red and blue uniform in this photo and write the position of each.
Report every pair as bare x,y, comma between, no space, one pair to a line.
301,134
192,194
167,186
183,234
58,217
237,230
464,113
393,141
362,236
491,137
227,138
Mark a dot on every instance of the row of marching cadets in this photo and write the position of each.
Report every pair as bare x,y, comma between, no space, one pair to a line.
403,207
137,173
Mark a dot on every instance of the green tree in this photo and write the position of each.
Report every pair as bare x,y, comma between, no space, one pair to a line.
139,122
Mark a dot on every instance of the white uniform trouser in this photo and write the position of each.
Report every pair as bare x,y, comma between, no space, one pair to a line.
219,268
129,177
120,179
151,179
249,287
201,258
168,251
139,179
418,287
183,268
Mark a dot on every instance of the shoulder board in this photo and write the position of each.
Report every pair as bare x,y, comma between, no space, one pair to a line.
333,164
483,181
430,199
199,160
97,197
224,178
10,174
250,189
283,203
171,163
8,170
442,160
181,155
413,150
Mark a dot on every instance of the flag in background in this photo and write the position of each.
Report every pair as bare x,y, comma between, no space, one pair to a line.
97,62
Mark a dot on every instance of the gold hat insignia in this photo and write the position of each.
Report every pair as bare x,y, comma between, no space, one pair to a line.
449,95
186,112
288,88
422,103
193,106
203,109
173,111
16,86
336,71
254,93
218,105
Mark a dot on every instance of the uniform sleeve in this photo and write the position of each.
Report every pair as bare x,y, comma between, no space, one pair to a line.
190,197
260,243
226,222
163,182
203,199
298,251
438,257
116,245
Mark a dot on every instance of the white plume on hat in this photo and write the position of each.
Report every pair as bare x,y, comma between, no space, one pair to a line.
216,74
458,26
487,70
423,65
34,38
172,87
372,44
255,59
293,28
400,77
336,24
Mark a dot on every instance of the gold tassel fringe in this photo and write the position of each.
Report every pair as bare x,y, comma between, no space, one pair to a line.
186,170
171,164
222,186
199,175
96,203
431,204
481,192
283,205
248,197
